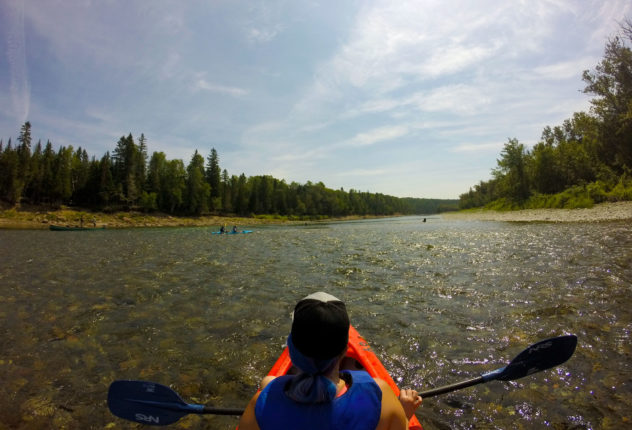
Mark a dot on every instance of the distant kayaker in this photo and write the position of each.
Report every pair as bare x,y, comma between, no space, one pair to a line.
234,229
322,396
222,229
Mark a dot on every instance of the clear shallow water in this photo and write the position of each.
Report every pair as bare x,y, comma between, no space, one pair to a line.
440,302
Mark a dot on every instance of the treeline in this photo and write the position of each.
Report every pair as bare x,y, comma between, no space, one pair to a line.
584,161
431,206
128,179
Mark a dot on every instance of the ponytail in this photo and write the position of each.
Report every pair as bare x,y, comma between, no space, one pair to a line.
311,385
306,388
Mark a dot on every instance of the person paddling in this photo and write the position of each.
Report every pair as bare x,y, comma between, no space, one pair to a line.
322,396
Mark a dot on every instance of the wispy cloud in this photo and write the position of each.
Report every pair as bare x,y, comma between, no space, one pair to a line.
265,22
455,58
19,86
263,35
202,84
363,172
565,69
478,147
377,135
395,51
456,99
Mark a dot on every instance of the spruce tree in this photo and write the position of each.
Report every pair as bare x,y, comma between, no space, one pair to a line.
213,178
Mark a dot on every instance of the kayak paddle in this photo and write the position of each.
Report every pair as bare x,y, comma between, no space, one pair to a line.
155,404
536,358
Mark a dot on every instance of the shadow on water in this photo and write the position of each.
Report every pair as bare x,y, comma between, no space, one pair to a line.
440,302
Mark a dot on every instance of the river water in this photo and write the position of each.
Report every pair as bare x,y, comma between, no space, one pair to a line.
440,302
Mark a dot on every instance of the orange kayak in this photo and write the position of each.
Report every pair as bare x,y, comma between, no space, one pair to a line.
360,356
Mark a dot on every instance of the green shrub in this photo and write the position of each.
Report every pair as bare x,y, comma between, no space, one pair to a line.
597,191
271,217
538,201
579,202
10,213
621,191
579,196
558,200
502,204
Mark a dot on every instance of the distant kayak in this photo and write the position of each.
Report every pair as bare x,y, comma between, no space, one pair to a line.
232,232
62,228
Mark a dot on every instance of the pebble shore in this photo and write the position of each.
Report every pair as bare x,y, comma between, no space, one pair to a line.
601,212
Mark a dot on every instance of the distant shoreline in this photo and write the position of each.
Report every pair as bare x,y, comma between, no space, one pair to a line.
41,219
33,218
598,213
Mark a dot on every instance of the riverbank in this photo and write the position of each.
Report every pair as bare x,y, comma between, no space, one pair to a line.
601,212
38,218
41,218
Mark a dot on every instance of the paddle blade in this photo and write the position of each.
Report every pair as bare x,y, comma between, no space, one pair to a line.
146,402
539,356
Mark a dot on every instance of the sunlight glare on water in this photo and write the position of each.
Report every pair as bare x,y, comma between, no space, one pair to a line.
440,302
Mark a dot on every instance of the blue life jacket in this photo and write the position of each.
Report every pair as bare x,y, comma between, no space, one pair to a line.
357,409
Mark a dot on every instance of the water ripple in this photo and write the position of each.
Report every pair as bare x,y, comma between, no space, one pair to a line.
439,301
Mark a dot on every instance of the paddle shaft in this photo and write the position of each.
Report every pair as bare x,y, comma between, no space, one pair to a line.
452,387
191,408
222,411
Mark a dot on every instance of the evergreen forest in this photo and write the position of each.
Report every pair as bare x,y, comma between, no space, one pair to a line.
586,160
128,179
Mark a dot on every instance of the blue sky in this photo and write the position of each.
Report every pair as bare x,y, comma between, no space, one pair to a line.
406,98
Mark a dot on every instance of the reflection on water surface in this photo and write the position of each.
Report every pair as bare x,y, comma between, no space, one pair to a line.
440,302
